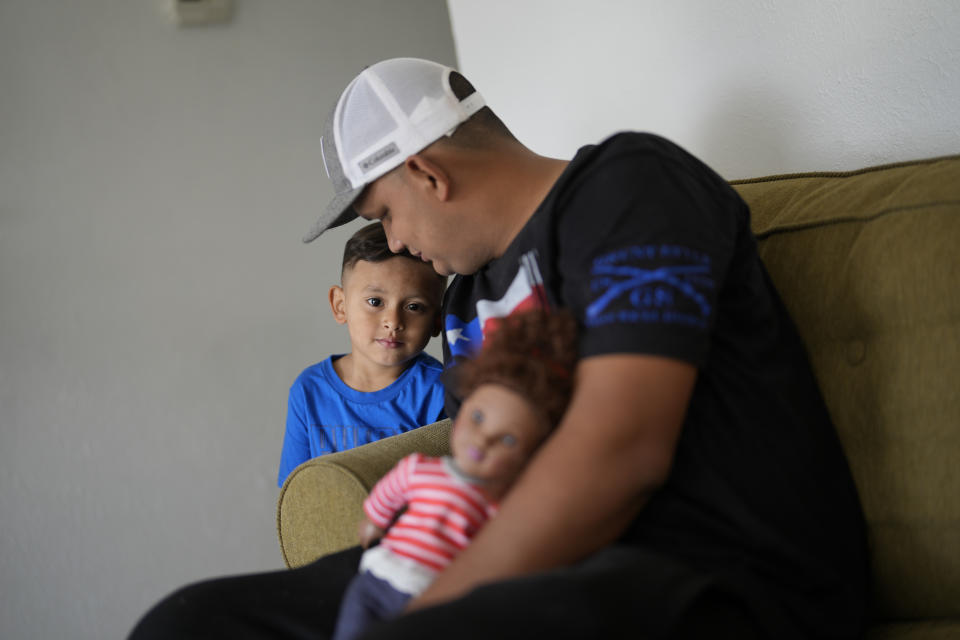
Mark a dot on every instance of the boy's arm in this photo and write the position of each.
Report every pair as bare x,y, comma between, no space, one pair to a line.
612,451
296,442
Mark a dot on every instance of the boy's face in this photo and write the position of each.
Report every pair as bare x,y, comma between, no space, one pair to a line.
391,309
495,433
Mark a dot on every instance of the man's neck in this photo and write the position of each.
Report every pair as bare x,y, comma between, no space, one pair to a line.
525,184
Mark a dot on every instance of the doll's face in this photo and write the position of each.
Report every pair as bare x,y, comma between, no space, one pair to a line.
494,435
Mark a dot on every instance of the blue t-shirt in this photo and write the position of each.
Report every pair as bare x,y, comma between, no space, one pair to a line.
325,415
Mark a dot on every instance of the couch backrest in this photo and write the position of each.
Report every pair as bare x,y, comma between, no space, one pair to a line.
868,264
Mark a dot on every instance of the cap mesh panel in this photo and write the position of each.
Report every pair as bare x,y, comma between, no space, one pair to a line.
366,120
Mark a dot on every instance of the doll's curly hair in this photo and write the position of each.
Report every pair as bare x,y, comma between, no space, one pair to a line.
533,353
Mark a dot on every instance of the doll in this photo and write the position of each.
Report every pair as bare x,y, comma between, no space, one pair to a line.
426,510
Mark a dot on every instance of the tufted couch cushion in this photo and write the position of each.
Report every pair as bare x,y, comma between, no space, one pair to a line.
868,264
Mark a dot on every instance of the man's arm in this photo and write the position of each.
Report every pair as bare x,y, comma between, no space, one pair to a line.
613,449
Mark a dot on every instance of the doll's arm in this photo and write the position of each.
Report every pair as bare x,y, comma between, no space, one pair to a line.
385,502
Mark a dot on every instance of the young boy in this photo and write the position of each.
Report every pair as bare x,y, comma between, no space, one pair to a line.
386,385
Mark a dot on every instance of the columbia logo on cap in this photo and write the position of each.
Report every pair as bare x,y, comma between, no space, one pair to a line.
378,156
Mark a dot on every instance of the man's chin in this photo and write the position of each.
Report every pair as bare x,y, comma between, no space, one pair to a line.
442,269
448,270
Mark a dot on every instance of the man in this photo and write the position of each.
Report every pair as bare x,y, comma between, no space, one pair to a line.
696,486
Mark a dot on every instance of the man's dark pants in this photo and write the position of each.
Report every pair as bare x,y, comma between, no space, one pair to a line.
619,592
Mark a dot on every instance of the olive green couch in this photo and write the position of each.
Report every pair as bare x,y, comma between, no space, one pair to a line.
868,263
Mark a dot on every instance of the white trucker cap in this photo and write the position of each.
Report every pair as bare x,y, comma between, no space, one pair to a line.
389,112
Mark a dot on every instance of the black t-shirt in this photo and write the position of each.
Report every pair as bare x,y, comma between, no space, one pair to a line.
653,253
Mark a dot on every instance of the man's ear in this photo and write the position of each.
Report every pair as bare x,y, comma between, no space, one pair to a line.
428,176
337,304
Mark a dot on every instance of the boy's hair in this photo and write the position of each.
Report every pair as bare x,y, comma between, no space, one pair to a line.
369,244
533,353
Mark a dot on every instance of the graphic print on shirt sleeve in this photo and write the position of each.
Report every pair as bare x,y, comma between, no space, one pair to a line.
651,284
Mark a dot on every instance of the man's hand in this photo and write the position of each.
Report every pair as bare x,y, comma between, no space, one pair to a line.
612,451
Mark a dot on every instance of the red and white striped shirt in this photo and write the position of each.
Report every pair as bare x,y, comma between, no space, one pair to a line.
444,510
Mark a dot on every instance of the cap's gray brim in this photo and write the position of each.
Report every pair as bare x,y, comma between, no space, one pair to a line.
339,211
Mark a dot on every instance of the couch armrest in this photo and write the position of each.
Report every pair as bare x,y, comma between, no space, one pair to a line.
320,504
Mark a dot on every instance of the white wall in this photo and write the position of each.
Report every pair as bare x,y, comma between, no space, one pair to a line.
753,87
155,299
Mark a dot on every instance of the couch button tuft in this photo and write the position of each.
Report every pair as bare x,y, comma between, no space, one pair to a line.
856,351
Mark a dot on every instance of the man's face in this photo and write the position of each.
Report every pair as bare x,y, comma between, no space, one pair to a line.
446,238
